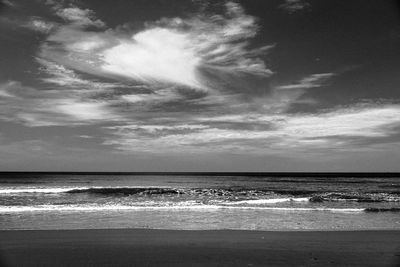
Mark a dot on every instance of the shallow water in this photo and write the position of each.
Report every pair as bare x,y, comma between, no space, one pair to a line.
69,201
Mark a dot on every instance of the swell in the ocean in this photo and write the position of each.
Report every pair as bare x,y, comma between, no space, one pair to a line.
254,195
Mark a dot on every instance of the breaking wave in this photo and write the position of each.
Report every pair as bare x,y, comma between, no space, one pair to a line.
267,201
357,197
126,191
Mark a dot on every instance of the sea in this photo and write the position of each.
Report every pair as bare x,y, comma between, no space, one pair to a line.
200,201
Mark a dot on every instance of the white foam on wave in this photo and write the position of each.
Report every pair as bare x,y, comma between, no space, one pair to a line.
39,190
55,190
19,209
268,201
33,190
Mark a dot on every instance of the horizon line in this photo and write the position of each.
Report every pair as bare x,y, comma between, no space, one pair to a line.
358,174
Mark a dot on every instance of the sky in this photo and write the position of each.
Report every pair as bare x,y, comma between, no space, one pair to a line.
196,85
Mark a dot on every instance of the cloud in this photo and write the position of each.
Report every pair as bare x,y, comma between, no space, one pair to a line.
191,84
61,76
8,3
74,17
159,96
116,94
334,130
171,67
312,81
80,17
83,111
33,23
4,90
282,97
30,148
155,55
40,25
356,121
34,107
293,6
170,51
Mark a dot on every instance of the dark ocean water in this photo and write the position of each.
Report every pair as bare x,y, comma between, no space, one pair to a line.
208,201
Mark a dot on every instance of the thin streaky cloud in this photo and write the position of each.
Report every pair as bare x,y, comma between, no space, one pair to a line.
300,131
312,81
293,6
34,107
61,76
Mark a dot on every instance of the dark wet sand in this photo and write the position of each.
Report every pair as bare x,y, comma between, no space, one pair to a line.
198,248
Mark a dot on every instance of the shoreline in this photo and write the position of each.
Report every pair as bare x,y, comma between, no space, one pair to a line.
152,247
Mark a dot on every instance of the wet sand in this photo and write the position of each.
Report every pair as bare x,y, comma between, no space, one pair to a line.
130,247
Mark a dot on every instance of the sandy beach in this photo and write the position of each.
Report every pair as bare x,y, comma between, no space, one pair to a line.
130,247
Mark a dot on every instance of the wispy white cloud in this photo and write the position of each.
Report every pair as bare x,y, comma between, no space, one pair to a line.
80,17
84,136
334,129
34,107
168,51
357,121
83,111
312,81
61,76
162,95
9,3
4,88
283,96
40,25
293,6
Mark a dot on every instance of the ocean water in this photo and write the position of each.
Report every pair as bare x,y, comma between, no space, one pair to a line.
202,201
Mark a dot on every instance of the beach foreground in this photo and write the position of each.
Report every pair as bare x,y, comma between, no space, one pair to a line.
130,247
